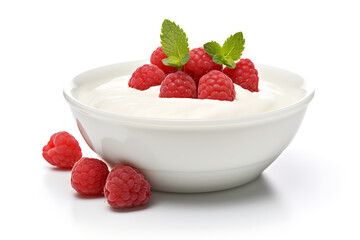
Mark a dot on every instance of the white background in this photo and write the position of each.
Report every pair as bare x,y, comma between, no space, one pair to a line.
310,192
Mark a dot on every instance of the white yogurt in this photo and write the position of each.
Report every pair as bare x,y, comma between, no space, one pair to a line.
115,96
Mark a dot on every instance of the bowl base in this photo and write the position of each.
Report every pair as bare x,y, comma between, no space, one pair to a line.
197,182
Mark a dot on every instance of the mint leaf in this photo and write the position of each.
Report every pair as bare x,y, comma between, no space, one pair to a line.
171,61
184,59
212,48
226,60
234,46
218,59
229,62
230,52
174,43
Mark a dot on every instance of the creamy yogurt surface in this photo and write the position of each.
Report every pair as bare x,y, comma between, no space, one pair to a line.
115,96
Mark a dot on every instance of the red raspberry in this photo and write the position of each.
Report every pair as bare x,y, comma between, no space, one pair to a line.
146,76
178,85
88,176
156,58
199,64
62,150
244,74
126,187
216,85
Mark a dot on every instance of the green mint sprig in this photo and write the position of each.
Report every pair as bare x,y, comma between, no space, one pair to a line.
229,52
175,44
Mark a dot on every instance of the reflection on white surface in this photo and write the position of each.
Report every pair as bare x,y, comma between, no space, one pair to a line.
256,202
57,182
288,191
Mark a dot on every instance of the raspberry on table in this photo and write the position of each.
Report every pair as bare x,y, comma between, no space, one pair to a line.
156,58
62,150
178,85
146,76
126,187
216,85
244,75
199,64
88,176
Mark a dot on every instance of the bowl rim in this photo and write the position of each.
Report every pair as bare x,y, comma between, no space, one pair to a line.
73,102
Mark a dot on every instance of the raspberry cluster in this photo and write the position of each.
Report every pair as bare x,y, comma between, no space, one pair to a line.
199,78
123,187
196,73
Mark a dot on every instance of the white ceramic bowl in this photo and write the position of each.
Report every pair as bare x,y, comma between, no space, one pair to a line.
189,155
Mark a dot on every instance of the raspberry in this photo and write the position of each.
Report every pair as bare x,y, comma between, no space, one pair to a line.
216,85
62,150
126,187
199,64
178,85
146,76
156,58
244,74
88,176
